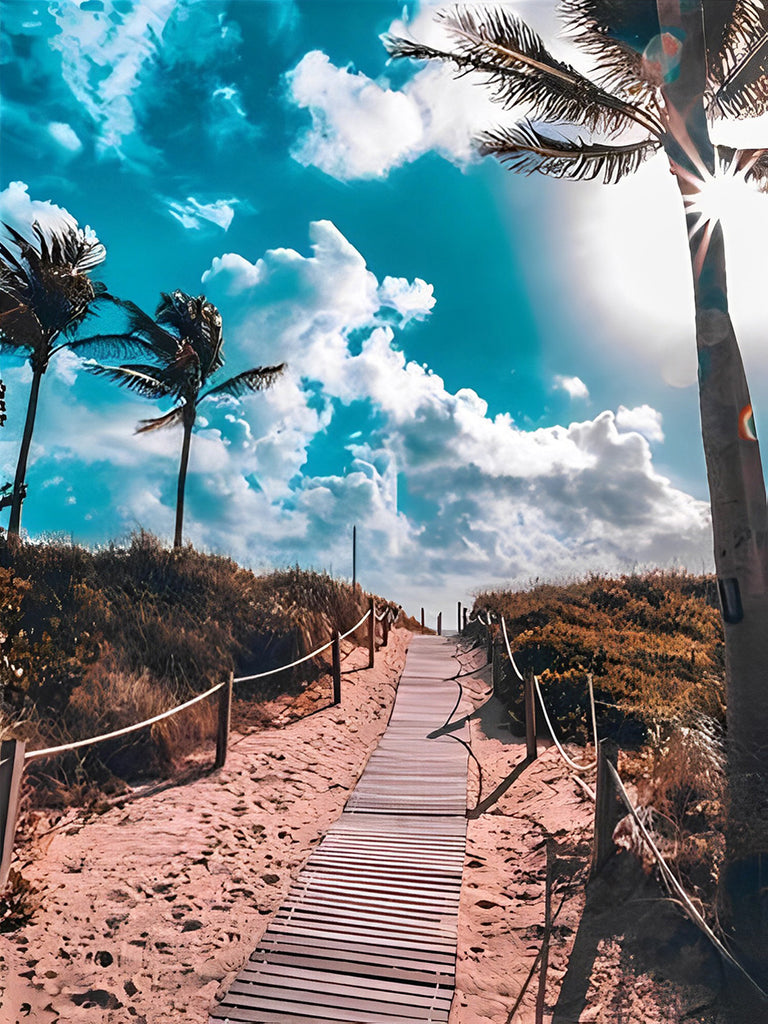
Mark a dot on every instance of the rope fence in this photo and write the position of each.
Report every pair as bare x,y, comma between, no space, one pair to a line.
607,769
194,700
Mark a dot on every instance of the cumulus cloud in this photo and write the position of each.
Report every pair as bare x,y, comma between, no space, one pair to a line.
362,128
573,386
20,211
65,135
193,214
444,494
642,419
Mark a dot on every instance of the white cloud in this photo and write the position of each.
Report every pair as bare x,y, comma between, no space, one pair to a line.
573,386
361,128
19,210
496,501
65,135
443,494
192,213
103,54
642,419
413,300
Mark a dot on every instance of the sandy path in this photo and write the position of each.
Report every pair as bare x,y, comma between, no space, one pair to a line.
149,908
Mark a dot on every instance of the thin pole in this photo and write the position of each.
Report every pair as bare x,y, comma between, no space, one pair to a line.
439,623
371,632
531,749
385,630
458,617
225,716
354,557
336,652
607,807
422,620
11,769
464,620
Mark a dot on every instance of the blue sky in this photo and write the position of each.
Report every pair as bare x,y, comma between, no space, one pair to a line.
493,376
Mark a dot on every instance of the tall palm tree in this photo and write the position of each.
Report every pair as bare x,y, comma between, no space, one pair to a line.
45,293
662,71
185,340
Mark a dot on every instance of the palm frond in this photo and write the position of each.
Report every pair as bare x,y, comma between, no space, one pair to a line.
524,148
139,378
739,67
616,33
752,163
258,379
168,420
196,320
165,344
112,345
520,70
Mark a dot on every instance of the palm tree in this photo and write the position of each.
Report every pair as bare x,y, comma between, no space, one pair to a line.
662,71
185,339
45,293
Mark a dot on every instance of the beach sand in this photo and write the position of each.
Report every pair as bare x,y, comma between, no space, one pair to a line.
148,910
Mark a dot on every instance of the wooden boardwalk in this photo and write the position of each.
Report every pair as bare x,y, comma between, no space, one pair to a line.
367,933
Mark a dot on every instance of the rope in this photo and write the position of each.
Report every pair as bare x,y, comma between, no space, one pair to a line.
299,661
181,707
569,761
126,730
673,883
509,652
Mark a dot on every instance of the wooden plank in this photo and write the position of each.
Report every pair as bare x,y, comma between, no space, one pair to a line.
367,933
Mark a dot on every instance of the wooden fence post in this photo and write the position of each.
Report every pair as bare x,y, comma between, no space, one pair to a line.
458,617
439,623
531,748
225,715
422,620
336,652
11,770
607,807
371,632
385,629
464,621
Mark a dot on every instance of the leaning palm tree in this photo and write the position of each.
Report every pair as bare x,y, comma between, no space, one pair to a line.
662,71
45,293
185,340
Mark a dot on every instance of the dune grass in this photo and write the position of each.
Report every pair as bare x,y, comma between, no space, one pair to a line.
93,641
654,647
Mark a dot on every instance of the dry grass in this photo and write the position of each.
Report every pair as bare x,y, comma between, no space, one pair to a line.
95,641
653,644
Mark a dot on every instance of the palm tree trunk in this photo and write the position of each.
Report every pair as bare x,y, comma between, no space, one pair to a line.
14,523
189,422
738,501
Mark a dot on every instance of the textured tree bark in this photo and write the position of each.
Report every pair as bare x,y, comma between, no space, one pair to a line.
737,494
189,422
14,522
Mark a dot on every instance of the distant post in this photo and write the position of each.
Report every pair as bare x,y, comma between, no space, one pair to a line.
439,623
458,617
422,620
531,749
336,654
607,807
464,620
354,558
385,629
11,770
371,632
225,715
